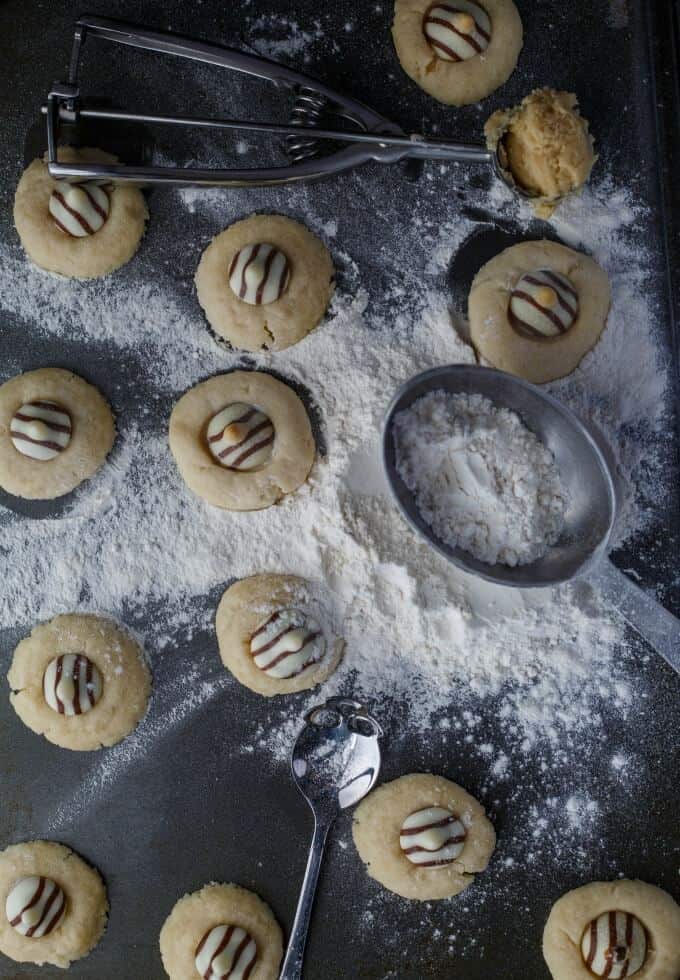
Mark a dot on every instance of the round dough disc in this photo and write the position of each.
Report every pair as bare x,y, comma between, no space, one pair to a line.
569,916
245,606
215,905
457,82
536,359
293,449
125,675
277,325
92,436
377,824
81,258
86,905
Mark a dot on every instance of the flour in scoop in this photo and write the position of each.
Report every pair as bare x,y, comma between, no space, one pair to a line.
481,479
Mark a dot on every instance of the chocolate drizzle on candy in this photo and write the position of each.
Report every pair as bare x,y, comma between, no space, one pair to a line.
226,952
240,437
79,209
432,838
72,684
543,304
259,274
288,643
614,945
457,31
41,430
35,906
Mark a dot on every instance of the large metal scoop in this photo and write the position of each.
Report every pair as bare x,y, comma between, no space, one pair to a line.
587,480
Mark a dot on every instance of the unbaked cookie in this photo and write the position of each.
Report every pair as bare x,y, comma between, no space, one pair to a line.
458,52
80,681
242,440
423,836
265,282
275,635
56,430
53,906
613,929
221,931
81,230
537,308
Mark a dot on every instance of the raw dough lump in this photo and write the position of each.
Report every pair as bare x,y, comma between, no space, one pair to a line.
458,51
51,397
194,932
45,209
613,929
274,635
265,282
537,308
220,462
85,701
545,147
409,834
43,875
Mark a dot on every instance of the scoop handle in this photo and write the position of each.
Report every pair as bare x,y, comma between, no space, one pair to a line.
654,623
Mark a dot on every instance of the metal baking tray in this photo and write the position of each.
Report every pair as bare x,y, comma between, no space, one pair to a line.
194,807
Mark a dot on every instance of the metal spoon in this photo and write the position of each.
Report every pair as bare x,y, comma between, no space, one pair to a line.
586,478
335,762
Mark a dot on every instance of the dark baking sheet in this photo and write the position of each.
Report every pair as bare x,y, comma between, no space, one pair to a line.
196,808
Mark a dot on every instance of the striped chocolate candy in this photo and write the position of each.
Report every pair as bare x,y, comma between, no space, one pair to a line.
72,684
241,437
543,304
457,31
226,951
614,945
287,643
35,906
432,838
259,274
79,209
40,429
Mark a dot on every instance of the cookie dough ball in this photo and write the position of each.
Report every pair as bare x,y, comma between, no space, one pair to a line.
544,146
242,440
81,230
423,837
275,634
537,308
53,906
613,929
265,282
458,52
221,931
80,681
56,430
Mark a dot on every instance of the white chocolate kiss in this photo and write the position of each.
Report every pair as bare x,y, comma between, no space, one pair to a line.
35,906
259,274
40,430
458,30
614,945
72,684
288,643
432,838
543,304
79,209
226,951
241,437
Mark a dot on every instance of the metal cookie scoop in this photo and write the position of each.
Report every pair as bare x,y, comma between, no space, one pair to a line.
335,762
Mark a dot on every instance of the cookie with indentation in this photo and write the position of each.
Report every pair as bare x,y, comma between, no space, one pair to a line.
265,282
423,837
53,906
276,634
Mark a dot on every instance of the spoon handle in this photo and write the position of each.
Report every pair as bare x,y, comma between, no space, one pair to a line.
292,964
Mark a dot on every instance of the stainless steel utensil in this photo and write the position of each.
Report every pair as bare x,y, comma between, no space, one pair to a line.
335,762
587,480
371,136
